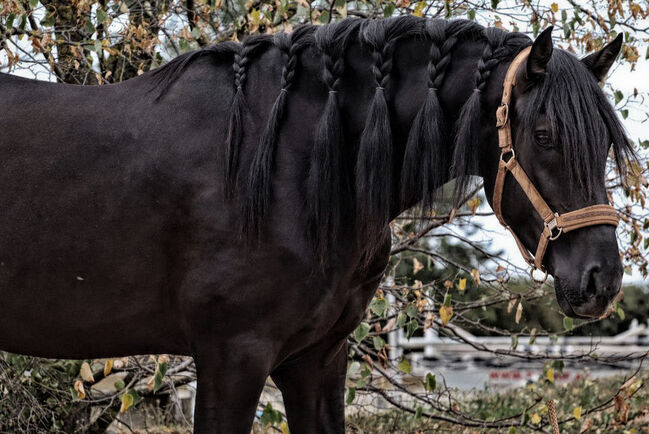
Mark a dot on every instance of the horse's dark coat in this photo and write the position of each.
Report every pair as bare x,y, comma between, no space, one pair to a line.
117,236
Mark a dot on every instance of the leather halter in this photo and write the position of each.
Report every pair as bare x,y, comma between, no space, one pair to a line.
554,224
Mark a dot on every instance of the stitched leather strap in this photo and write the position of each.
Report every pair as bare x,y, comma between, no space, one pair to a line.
554,224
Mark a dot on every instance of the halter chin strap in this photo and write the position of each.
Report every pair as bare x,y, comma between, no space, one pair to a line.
554,224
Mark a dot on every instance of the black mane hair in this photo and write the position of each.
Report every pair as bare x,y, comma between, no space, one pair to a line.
567,95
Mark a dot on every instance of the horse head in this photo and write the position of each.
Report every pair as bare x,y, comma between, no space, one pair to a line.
559,127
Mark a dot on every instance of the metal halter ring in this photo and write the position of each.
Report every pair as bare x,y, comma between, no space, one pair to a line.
533,269
503,153
552,225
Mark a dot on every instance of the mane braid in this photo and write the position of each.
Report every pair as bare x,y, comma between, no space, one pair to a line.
237,110
374,164
326,187
425,159
499,45
259,183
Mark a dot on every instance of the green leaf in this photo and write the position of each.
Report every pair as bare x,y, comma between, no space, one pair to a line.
196,33
379,306
102,16
48,20
558,365
512,430
10,20
625,113
536,28
361,332
378,343
119,385
471,14
532,336
494,4
404,366
419,411
401,320
89,27
618,96
412,310
351,394
324,17
431,382
514,342
412,327
388,10
33,3
447,299
567,323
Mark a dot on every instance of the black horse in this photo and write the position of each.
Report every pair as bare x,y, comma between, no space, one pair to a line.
234,204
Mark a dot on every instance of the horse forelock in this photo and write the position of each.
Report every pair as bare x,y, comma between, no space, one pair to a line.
581,121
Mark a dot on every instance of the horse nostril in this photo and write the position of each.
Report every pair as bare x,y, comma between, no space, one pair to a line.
591,285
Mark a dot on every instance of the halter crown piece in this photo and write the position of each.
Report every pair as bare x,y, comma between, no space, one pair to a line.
554,224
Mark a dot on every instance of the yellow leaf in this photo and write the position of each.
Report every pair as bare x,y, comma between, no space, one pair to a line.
78,387
108,366
519,312
127,402
284,428
474,204
554,7
577,413
462,285
86,373
416,266
476,276
536,419
549,374
445,313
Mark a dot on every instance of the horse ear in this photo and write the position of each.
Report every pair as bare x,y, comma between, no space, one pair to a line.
601,61
540,55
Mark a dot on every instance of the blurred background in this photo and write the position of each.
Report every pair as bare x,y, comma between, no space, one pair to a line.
458,338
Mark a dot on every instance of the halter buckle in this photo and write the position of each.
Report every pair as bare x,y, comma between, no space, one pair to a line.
553,226
502,115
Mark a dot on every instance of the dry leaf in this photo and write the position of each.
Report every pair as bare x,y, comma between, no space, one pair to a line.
416,266
476,276
78,387
86,373
445,313
108,367
519,312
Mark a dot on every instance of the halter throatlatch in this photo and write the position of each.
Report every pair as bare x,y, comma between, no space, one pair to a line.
554,224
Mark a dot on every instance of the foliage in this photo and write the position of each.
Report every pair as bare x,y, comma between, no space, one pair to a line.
571,400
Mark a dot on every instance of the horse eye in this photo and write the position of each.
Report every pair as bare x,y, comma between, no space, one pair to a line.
542,138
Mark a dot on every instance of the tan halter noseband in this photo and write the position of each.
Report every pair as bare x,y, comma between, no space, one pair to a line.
554,224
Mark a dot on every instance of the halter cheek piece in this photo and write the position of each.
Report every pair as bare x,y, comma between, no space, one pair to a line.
554,224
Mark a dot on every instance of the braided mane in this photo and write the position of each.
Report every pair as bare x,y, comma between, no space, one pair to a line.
331,196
